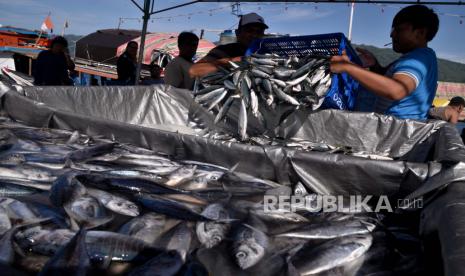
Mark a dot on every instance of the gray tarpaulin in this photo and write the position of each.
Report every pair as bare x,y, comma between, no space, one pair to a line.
160,117
427,156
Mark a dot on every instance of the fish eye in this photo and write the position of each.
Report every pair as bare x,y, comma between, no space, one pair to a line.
241,255
132,206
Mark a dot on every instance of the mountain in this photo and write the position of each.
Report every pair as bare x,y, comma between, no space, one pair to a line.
448,70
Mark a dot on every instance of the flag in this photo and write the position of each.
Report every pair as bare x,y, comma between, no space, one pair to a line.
47,24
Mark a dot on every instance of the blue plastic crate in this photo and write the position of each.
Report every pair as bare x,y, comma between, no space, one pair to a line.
343,91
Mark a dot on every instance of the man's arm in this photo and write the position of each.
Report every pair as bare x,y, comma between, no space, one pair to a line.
206,66
395,88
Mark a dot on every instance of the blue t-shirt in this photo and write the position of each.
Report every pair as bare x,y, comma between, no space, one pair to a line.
421,65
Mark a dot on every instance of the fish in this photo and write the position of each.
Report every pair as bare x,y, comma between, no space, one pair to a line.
242,120
249,246
65,188
330,230
166,264
71,259
10,189
89,152
87,211
217,100
278,215
5,222
127,184
105,246
180,239
283,96
115,203
17,210
333,253
210,95
180,175
45,242
317,76
7,247
169,207
148,227
212,233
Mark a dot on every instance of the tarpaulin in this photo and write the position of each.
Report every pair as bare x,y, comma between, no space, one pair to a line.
428,162
161,118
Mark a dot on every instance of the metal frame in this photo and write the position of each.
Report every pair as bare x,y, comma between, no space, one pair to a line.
409,2
149,6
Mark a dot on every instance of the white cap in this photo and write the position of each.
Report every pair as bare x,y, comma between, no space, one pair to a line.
252,18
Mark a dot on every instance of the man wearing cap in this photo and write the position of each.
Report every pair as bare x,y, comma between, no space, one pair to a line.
251,26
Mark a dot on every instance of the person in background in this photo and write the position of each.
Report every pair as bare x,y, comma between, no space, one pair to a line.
177,71
52,65
251,26
127,64
406,88
449,113
155,75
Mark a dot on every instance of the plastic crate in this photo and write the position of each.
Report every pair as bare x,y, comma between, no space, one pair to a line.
343,90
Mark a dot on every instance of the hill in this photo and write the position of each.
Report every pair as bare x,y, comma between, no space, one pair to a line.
448,70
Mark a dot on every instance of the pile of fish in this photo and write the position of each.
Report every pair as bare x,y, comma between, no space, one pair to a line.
268,80
71,204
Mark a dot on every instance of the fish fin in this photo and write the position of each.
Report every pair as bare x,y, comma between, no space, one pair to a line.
234,168
68,164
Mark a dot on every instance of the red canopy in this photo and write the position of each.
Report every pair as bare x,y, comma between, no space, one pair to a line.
165,43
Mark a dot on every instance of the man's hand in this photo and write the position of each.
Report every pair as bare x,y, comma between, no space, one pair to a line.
368,59
339,64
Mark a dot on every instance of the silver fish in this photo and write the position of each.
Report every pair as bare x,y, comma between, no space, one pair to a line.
229,85
297,80
330,230
166,264
212,233
283,96
217,100
249,246
259,74
243,120
225,108
180,240
210,95
87,210
317,76
104,245
115,203
180,175
254,102
331,254
148,227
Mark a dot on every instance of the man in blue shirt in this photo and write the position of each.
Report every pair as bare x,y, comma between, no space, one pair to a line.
406,88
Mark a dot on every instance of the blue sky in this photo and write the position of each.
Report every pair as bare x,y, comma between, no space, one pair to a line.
372,23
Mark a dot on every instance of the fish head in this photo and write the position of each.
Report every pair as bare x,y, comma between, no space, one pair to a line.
124,207
248,253
86,207
211,234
